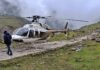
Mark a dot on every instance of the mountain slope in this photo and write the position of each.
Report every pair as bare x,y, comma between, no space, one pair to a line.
10,23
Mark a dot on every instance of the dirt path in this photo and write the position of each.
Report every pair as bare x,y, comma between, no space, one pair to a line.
37,48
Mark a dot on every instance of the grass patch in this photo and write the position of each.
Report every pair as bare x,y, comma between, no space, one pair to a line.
62,36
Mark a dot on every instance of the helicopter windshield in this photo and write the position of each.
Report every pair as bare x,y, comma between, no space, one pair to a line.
22,31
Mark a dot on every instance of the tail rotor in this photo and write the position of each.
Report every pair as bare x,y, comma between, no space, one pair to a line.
66,28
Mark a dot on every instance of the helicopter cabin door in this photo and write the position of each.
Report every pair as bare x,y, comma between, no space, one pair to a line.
33,34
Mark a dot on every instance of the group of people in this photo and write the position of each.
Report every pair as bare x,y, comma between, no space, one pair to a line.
8,40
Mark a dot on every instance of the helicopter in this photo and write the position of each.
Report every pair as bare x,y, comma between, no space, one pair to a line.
36,30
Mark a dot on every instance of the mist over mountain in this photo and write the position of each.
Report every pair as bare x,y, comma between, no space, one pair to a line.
8,8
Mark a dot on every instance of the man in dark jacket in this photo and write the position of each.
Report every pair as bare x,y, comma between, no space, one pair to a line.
7,41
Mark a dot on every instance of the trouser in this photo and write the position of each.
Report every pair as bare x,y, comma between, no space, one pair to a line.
9,51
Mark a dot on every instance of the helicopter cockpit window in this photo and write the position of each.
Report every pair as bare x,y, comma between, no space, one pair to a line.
22,32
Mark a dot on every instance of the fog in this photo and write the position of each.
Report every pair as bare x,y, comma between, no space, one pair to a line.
9,8
88,10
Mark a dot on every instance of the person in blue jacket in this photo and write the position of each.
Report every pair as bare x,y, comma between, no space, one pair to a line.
7,41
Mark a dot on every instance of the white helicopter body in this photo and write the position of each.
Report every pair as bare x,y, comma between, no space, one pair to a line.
36,30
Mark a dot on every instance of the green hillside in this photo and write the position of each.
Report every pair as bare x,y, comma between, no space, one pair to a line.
90,28
10,23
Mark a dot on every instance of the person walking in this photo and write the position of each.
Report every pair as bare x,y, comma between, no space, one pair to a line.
7,41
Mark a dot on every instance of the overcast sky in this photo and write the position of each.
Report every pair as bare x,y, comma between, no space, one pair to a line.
81,9
75,9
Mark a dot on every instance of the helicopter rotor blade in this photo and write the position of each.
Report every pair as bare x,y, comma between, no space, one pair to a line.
77,20
28,17
39,17
46,17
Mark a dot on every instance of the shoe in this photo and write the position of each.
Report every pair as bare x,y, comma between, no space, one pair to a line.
10,54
